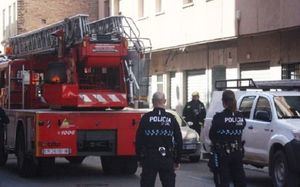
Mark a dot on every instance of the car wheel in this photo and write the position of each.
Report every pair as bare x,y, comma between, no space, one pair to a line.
194,159
3,152
25,163
75,160
280,173
110,165
129,165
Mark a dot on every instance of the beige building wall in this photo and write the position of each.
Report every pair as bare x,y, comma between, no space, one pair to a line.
178,24
266,15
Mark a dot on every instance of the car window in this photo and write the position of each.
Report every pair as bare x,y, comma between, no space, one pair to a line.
246,105
263,104
287,106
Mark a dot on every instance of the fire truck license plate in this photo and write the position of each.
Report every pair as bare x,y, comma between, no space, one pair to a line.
57,151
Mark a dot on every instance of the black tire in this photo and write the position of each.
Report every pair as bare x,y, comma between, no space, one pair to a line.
110,165
194,159
76,160
129,165
3,151
46,166
25,163
281,174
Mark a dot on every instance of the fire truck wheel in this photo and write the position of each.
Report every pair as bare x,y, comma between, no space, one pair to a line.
110,164
25,163
129,165
75,160
3,152
46,166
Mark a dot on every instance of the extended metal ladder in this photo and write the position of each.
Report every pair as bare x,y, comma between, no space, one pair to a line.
42,41
123,26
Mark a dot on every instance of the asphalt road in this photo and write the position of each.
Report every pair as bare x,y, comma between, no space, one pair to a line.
89,174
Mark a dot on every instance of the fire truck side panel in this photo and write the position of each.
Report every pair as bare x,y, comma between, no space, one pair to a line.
20,120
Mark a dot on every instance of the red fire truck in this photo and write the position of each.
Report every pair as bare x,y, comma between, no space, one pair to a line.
64,88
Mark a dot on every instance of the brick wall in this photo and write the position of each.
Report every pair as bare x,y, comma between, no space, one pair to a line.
33,14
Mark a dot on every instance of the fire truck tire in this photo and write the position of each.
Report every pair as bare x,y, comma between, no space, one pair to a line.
111,165
46,166
3,152
75,160
25,162
129,165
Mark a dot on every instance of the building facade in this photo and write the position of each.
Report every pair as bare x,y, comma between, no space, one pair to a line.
196,42
19,16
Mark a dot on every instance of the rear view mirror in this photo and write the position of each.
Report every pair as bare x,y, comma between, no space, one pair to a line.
190,123
263,115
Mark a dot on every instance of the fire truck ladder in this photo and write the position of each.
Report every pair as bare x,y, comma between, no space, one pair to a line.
42,40
125,27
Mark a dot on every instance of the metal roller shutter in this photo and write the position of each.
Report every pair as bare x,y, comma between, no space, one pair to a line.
197,81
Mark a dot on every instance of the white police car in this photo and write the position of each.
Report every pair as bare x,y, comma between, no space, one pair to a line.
191,140
272,132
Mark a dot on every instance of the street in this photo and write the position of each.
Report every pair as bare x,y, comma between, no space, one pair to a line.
89,174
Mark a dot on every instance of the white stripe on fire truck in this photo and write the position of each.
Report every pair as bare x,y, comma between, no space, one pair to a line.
85,98
124,96
100,98
113,98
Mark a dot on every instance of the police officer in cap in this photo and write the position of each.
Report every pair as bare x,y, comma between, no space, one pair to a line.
227,146
194,113
158,144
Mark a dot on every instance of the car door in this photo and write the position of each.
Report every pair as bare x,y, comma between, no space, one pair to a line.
246,107
258,130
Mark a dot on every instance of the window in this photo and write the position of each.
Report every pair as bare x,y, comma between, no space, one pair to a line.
158,6
3,22
291,71
246,106
160,83
9,20
287,106
141,8
117,7
14,12
187,1
263,105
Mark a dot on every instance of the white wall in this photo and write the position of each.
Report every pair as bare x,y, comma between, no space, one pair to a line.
178,25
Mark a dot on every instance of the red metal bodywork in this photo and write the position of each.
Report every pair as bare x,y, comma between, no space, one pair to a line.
51,133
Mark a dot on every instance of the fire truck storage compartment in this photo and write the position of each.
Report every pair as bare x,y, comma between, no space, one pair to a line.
99,142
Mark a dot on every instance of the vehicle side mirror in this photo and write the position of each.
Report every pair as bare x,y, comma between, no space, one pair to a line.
190,123
263,115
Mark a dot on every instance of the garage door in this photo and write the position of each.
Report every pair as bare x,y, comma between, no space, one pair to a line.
173,91
258,71
197,81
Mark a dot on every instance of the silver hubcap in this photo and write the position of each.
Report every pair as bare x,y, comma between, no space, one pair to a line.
279,172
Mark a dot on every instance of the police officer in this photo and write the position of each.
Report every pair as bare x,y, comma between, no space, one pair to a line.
194,111
158,144
227,146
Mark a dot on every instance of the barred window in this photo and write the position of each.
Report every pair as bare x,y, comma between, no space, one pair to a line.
290,71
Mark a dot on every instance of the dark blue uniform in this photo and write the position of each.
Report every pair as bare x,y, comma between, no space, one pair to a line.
227,148
195,112
158,147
